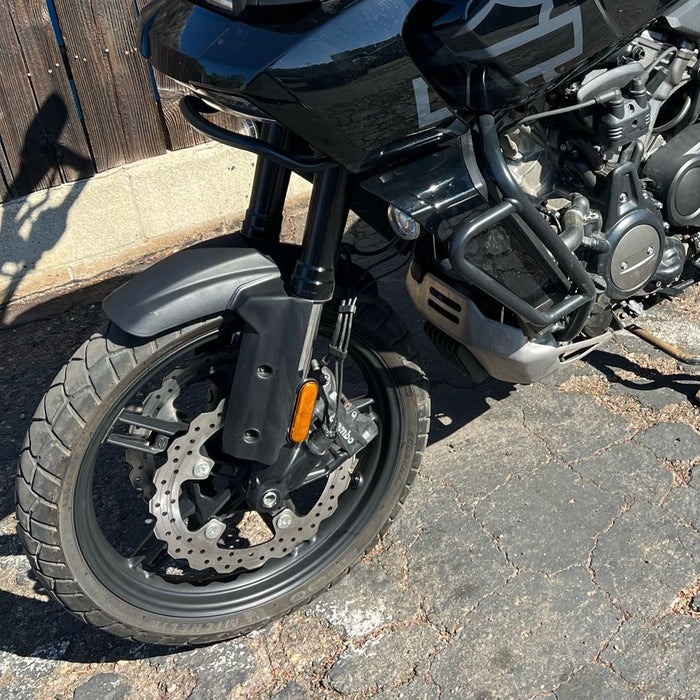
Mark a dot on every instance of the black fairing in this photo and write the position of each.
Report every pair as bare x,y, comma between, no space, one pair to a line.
489,55
337,74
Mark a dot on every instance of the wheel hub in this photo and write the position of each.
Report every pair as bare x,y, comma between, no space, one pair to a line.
206,546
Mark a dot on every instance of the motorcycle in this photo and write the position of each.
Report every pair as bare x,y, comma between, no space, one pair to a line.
251,419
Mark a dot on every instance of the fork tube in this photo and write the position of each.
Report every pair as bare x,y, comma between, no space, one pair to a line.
314,275
263,220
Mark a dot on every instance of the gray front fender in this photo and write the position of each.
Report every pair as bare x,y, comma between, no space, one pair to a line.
189,285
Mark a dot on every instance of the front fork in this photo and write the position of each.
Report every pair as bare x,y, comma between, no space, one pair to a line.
280,328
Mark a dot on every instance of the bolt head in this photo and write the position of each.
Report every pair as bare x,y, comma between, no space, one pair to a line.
623,198
201,470
284,521
650,251
623,265
214,530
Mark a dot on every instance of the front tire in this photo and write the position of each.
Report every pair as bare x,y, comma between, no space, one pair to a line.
72,526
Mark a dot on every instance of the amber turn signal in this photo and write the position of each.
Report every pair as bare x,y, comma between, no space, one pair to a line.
304,411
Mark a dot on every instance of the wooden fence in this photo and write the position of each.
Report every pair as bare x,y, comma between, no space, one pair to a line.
76,97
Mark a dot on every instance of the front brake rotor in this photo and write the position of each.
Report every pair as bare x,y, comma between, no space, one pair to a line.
160,404
204,547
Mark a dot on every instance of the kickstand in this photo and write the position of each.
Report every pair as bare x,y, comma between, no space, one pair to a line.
672,350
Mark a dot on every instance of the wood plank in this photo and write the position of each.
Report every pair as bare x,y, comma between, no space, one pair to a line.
113,82
49,79
5,176
180,133
30,159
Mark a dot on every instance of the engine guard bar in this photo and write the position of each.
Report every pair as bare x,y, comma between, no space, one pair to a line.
515,201
192,109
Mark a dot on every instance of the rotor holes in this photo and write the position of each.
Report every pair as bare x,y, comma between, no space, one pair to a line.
177,447
157,505
240,561
172,501
192,441
164,482
219,558
330,507
272,549
189,539
196,430
179,537
167,534
317,515
176,459
284,549
165,513
202,551
172,522
176,471
190,551
167,493
262,558
300,529
206,561
227,566
332,498
189,452
212,426
178,550
294,539
313,524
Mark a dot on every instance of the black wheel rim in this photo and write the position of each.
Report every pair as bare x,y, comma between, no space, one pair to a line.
245,590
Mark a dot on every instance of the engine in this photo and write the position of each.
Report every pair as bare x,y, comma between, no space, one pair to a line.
624,140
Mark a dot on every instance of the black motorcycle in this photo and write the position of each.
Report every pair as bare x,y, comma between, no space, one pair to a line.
253,415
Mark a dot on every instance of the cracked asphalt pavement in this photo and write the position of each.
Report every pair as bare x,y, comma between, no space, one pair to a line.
550,548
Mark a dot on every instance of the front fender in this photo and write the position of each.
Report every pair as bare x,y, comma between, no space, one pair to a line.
207,280
189,285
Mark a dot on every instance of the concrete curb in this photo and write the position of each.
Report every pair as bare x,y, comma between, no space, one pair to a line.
60,238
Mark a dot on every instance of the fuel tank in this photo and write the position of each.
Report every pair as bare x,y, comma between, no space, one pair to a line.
336,73
490,55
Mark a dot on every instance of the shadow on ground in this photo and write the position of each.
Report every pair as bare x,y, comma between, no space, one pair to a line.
34,349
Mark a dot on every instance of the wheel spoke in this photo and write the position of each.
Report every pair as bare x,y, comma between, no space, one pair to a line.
133,442
155,443
157,425
149,552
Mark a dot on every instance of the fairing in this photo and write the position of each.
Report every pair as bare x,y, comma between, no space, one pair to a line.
338,75
489,55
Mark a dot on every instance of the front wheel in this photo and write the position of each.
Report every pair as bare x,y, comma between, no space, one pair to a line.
124,412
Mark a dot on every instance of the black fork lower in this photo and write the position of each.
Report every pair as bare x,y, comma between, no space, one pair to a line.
280,327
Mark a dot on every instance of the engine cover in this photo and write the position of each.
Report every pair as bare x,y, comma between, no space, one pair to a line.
675,172
637,244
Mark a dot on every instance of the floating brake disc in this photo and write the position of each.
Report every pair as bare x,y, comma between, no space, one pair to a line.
160,404
207,546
